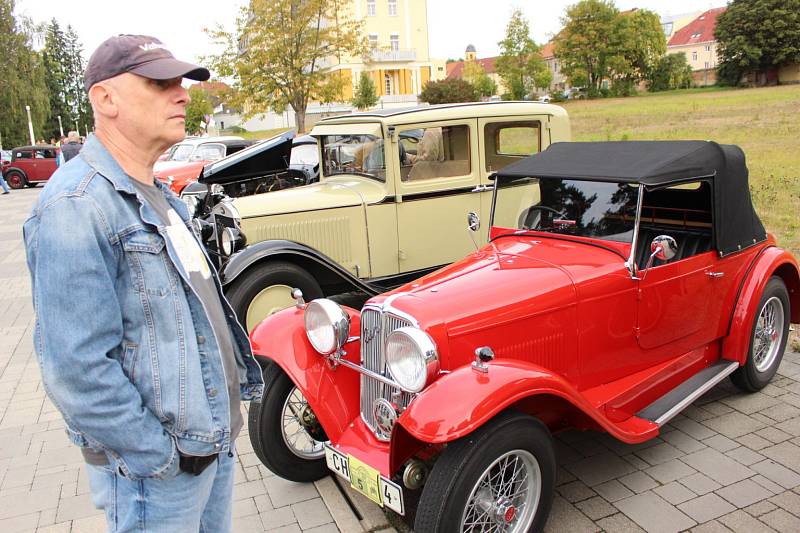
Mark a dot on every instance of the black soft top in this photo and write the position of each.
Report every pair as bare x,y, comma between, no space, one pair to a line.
657,164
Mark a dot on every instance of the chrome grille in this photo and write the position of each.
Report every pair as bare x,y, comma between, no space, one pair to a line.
375,327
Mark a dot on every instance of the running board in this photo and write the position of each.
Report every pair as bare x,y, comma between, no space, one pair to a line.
665,408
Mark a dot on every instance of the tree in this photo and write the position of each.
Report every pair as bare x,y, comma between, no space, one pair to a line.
282,52
520,64
476,75
197,109
364,96
588,45
671,71
754,36
22,80
77,98
448,90
642,45
54,57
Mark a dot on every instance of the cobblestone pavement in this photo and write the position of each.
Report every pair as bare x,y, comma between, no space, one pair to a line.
731,462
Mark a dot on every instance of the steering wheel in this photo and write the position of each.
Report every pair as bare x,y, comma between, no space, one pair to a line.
531,224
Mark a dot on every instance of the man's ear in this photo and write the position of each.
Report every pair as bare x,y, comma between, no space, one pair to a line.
104,99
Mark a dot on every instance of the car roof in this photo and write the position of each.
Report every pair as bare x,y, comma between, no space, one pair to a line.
658,164
36,147
447,111
202,140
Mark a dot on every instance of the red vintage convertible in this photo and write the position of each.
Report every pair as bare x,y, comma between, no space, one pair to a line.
622,281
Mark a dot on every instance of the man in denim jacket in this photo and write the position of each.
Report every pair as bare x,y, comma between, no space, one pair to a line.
137,347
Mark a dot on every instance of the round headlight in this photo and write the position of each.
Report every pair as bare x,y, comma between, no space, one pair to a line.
228,241
327,325
411,358
191,201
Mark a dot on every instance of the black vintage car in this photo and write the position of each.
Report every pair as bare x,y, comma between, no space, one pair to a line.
281,162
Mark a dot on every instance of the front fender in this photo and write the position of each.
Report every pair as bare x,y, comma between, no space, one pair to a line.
333,394
463,400
771,261
294,252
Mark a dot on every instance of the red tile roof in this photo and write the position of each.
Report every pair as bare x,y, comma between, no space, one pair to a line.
548,50
455,69
700,30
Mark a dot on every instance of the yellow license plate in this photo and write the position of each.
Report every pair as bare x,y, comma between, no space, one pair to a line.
365,480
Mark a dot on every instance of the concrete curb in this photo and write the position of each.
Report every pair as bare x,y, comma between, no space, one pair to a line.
351,511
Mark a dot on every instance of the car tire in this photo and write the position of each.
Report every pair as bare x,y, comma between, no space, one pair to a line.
15,179
269,438
452,495
768,338
31,185
262,290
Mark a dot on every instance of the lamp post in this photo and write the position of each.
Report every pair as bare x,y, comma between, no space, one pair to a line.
30,124
60,127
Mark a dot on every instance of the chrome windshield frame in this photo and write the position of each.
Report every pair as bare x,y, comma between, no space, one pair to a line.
630,264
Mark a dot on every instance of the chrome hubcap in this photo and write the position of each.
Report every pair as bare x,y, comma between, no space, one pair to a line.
297,419
768,334
505,498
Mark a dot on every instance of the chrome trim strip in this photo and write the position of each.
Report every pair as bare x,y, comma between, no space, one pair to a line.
683,404
369,373
631,262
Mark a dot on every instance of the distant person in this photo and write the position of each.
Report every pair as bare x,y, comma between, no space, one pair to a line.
137,346
3,182
73,145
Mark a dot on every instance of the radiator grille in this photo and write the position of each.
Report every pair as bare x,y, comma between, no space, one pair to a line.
375,326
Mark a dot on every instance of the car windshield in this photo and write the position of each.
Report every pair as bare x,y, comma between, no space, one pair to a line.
353,154
573,207
304,154
210,152
181,152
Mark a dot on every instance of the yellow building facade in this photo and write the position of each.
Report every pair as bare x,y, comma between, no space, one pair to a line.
399,61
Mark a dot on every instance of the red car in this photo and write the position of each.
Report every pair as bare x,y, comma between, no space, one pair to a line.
185,160
622,281
30,165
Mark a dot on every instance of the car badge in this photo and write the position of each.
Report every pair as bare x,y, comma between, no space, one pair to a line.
370,332
385,417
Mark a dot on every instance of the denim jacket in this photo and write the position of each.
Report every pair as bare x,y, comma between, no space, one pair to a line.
126,350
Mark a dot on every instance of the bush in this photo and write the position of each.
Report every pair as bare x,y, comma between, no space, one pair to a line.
671,72
235,129
448,90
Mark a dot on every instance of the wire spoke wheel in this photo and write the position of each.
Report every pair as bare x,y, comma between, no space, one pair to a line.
297,419
768,334
506,495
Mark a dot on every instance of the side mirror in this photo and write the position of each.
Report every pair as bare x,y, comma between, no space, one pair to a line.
473,222
662,248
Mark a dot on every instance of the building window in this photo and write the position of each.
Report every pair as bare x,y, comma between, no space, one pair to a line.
694,56
370,8
708,48
392,8
394,41
388,81
373,41
667,28
706,64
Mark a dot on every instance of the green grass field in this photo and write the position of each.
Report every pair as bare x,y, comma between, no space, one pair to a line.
764,122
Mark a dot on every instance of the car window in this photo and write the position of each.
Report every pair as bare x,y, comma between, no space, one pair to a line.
181,152
354,154
437,152
50,154
683,212
210,151
506,142
574,207
304,154
40,154
23,155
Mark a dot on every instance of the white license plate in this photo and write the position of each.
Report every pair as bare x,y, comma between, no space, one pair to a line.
366,480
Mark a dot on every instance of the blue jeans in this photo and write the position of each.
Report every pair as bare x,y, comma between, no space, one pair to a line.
3,183
183,504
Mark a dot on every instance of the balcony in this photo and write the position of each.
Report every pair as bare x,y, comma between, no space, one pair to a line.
389,56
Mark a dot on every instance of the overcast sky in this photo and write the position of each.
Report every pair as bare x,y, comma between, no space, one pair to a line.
452,24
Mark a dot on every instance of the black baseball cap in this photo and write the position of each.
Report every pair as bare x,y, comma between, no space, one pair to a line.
138,54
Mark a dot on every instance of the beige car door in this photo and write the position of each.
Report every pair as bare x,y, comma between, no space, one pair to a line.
437,163
504,140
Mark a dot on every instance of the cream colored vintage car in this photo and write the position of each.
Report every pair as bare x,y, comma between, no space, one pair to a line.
391,204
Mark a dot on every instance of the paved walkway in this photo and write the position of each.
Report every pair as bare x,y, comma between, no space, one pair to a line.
731,462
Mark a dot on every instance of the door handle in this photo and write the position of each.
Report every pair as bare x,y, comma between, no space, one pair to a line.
480,188
715,274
